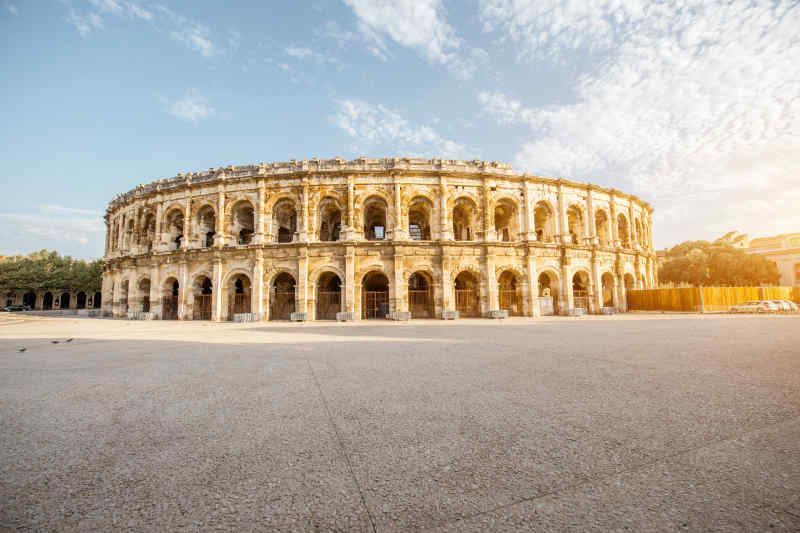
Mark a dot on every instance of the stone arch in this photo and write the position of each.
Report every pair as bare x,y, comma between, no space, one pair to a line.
64,300
174,225
468,288
581,286
237,290
608,287
47,301
327,292
147,229
639,234
282,295
240,220
544,221
375,289
510,283
576,224
143,287
601,227
420,215
29,299
274,272
421,287
623,230
313,277
375,217
329,219
284,220
197,283
206,224
506,216
278,197
466,218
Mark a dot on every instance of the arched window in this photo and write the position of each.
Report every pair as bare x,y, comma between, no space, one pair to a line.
238,295
243,222
329,296
575,225
580,290
543,222
284,221
622,229
509,295
419,217
173,226
330,220
144,294
206,226
281,298
147,231
464,217
797,274
601,228
375,219
467,292
506,221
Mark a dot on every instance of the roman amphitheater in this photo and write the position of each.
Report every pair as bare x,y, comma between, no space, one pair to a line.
372,238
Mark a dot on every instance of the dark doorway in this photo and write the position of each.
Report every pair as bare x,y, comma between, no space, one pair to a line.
374,296
281,302
329,296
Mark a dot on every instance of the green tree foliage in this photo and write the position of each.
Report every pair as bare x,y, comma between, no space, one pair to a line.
45,270
717,264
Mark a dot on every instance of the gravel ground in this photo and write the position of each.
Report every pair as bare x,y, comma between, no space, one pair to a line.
638,422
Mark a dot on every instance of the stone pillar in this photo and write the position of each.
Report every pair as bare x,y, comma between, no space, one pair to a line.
399,298
257,288
301,296
216,310
562,216
597,283
448,296
184,292
157,244
219,236
533,284
399,232
347,232
614,224
527,219
445,228
302,234
565,301
349,281
492,298
259,237
634,237
591,228
187,222
489,231
155,291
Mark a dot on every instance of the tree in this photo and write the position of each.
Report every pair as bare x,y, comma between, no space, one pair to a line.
719,263
46,270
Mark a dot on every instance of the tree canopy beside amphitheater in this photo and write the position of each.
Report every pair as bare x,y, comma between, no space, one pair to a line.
49,270
717,264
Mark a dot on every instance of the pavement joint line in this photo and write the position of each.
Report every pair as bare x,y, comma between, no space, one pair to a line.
616,474
341,445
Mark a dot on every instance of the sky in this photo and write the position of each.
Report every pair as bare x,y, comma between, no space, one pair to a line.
692,105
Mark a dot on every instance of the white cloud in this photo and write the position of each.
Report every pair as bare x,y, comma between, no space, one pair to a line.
375,125
78,232
85,23
11,8
302,53
319,57
192,107
416,24
695,101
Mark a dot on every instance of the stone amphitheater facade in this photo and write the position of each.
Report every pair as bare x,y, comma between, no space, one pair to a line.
317,239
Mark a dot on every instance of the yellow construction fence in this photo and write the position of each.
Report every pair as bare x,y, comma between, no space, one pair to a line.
713,298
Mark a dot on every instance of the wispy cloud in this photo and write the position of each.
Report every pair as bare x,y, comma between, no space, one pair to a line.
693,99
11,8
193,107
70,230
318,57
378,126
416,24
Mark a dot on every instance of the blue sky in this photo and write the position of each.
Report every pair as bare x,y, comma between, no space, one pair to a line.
693,105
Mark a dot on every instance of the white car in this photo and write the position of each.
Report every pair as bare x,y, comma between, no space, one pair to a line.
787,306
755,306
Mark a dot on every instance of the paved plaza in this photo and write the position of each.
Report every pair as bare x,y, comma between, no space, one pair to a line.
637,422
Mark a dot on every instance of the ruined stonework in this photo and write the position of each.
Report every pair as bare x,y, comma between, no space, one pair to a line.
372,238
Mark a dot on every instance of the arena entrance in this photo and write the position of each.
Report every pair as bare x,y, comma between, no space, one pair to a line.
548,294
509,295
420,296
374,296
282,302
169,302
202,301
329,296
81,300
580,291
239,301
468,296
29,299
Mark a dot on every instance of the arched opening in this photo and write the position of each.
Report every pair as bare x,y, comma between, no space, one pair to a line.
130,234
10,298
206,226
239,292
329,296
80,300
47,301
622,230
243,222
147,232
797,274
144,294
123,300
420,295
509,293
468,296
419,219
203,292
29,299
580,290
575,225
639,234
169,299
375,219
505,221
548,294
543,222
464,220
609,285
282,302
330,220
374,295
284,221
97,301
601,228
174,227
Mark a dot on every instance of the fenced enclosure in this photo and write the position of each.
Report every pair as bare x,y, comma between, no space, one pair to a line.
705,298
468,303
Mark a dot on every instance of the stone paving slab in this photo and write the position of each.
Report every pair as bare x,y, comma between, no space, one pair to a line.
599,423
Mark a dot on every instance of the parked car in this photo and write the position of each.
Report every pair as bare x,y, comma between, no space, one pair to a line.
16,307
755,306
787,306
